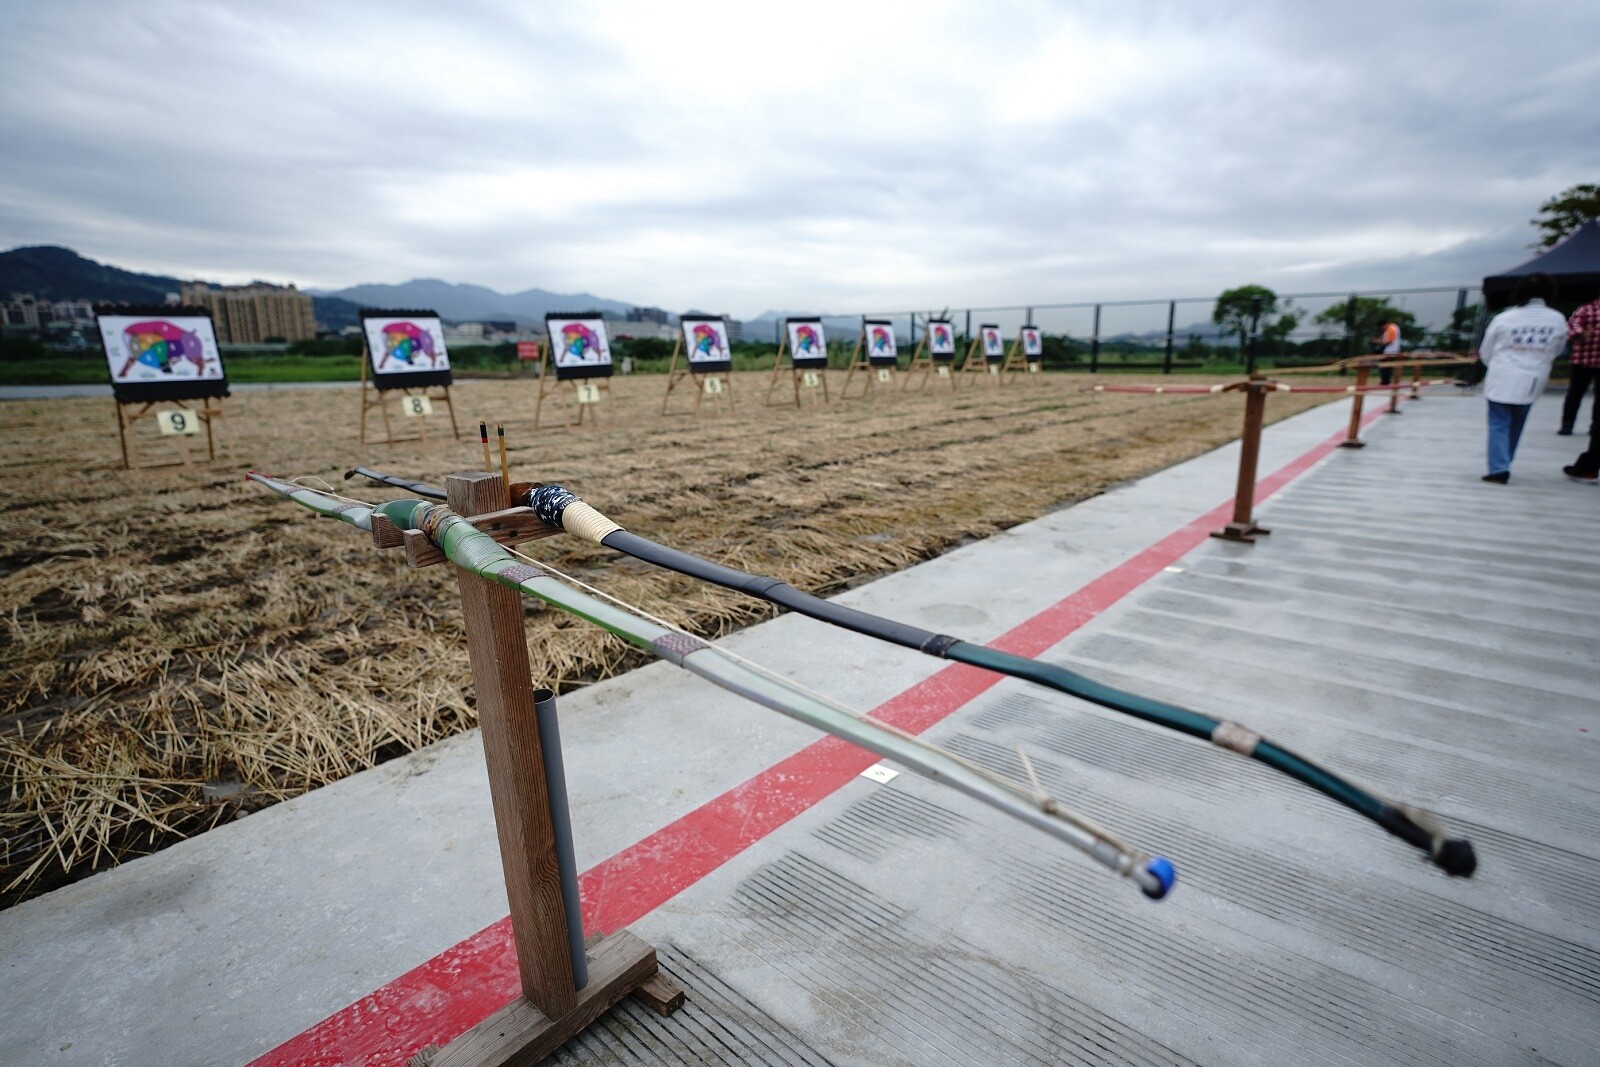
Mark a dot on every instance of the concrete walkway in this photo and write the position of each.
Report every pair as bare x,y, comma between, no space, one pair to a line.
1405,622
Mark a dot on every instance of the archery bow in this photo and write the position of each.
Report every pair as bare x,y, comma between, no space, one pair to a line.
479,554
560,509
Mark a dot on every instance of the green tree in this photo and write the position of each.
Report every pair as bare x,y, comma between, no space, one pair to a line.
1245,311
1565,212
1277,332
1366,316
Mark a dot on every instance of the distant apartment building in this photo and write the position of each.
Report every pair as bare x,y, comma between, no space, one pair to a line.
249,314
25,313
624,329
21,312
655,315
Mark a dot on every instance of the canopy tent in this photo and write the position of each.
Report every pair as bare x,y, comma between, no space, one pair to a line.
1574,263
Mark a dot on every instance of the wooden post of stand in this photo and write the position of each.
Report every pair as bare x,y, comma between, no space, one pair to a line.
1352,438
674,376
550,1010
858,361
975,360
920,360
1013,363
1243,527
1394,389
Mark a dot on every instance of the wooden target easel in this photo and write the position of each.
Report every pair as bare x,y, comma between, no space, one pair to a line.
977,362
923,359
1018,359
175,414
716,386
809,378
1013,363
585,397
861,360
373,397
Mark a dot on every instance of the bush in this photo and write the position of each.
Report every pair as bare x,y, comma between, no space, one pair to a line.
21,348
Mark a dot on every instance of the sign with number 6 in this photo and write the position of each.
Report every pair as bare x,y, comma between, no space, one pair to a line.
885,374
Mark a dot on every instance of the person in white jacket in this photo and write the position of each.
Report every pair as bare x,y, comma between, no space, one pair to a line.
1517,350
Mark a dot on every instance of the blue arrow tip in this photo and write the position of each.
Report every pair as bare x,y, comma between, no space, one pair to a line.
1165,875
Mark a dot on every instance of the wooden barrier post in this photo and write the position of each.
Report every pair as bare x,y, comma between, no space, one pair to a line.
551,1010
1352,437
1243,527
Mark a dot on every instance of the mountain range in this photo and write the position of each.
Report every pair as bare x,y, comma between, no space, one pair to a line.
53,273
471,303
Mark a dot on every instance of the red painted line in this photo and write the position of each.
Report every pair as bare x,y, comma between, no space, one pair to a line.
449,994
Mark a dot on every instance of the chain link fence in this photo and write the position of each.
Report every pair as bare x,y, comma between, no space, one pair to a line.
1179,334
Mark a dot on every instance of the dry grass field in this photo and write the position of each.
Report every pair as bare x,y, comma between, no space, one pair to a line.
180,647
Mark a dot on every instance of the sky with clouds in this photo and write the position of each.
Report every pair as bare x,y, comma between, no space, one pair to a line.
839,155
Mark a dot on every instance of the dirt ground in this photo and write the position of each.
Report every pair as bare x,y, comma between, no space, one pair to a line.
180,647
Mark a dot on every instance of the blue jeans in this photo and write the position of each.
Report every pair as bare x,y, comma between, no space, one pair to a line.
1505,430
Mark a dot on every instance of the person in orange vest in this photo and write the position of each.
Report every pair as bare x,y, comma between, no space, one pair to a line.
1387,343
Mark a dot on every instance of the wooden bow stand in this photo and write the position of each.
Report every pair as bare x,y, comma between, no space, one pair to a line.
1244,527
527,788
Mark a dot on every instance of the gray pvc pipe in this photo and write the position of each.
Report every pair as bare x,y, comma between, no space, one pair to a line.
555,777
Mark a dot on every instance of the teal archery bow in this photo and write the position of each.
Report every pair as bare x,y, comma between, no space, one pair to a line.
476,552
560,509
557,507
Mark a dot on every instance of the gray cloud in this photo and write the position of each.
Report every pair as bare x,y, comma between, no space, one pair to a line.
851,156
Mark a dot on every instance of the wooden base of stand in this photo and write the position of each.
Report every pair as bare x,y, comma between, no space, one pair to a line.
519,1034
1240,531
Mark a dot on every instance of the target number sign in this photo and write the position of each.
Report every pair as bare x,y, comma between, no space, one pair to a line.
884,374
713,386
944,371
176,422
416,405
588,393
810,380
993,369
1033,368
